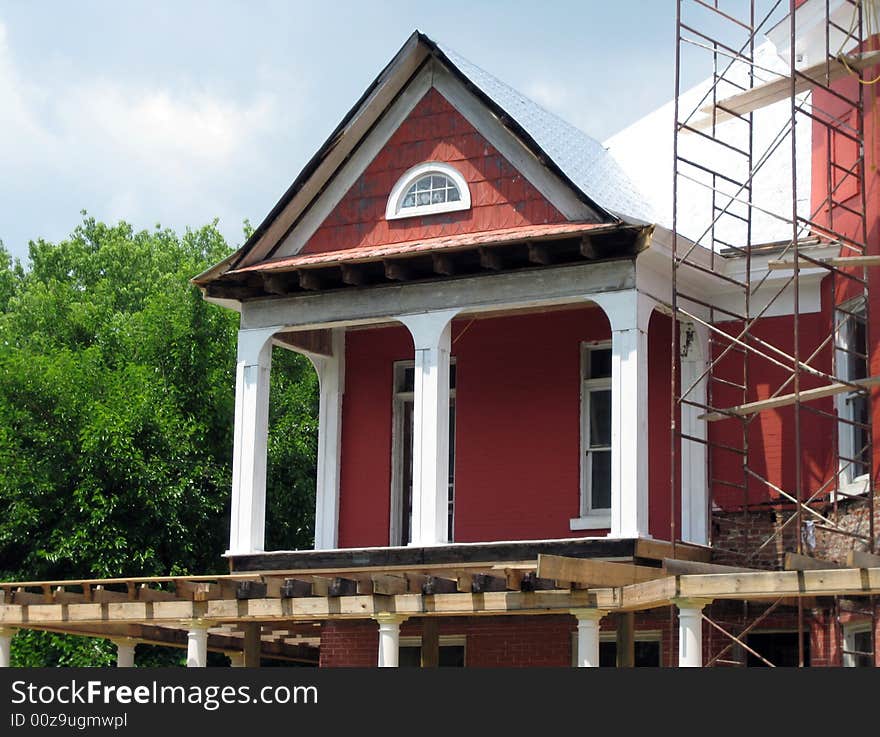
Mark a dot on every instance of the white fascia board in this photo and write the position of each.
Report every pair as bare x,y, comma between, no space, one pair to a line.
482,293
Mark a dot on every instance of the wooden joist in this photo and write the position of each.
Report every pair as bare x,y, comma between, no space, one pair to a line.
398,270
353,275
780,89
442,263
594,572
860,559
310,280
798,562
661,550
686,567
784,400
490,258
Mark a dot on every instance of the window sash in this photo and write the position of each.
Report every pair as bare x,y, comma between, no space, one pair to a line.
595,452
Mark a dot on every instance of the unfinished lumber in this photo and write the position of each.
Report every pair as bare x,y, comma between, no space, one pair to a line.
860,559
483,582
389,585
661,549
780,89
685,567
594,572
293,587
490,259
438,585
353,275
310,280
783,400
798,562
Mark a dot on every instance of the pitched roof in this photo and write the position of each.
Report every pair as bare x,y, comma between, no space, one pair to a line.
583,160
579,160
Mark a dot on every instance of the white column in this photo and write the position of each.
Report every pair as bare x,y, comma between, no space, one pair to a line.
331,378
236,659
694,483
588,636
431,333
247,527
629,313
197,644
6,635
690,632
389,638
125,652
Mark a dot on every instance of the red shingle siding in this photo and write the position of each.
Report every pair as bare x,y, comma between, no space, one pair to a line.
434,131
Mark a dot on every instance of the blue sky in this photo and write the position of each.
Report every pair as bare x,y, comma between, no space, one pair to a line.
180,112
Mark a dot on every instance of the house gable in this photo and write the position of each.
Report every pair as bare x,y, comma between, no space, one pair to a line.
501,197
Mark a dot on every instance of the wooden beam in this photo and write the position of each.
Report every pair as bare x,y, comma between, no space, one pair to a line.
684,567
587,248
389,585
439,585
353,274
594,572
531,582
252,644
483,582
145,592
780,89
293,587
540,253
442,263
340,586
104,595
859,559
430,643
808,395
662,549
398,270
276,283
310,280
626,639
797,562
197,591
490,258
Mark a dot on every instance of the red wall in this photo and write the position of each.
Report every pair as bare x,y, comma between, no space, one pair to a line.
518,426
434,131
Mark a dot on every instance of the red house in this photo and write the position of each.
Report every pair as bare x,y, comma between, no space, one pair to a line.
486,298
579,403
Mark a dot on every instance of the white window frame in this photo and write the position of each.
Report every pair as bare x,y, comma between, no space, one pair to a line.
850,630
848,484
589,519
398,398
394,209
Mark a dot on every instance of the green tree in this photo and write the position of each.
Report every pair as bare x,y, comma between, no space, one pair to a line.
116,406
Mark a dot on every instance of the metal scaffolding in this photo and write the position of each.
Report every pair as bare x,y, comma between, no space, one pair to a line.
743,128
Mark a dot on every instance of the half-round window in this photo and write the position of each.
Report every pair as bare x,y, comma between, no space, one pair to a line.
428,188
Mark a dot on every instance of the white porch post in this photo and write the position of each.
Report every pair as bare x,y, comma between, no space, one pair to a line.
588,636
331,378
629,313
694,484
389,638
690,632
6,635
197,644
431,333
125,652
247,526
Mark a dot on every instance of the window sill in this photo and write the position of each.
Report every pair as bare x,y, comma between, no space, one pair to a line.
857,487
595,521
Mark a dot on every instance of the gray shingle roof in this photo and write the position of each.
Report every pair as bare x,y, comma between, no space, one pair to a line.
582,159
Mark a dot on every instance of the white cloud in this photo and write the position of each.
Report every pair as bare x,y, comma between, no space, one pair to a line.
125,150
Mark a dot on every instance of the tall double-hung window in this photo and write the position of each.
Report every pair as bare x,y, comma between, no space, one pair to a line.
595,498
853,424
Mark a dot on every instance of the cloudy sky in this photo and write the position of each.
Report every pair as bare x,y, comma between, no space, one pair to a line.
181,112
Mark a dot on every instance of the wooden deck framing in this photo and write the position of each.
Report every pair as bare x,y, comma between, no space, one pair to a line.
289,606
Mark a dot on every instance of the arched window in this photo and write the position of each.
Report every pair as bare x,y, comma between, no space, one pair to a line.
428,188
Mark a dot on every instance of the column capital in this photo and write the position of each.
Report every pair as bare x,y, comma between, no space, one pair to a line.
387,618
8,631
588,613
691,603
198,623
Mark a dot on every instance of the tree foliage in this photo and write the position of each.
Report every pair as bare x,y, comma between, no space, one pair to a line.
116,417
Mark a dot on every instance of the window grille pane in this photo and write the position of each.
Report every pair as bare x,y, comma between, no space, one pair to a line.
600,479
600,418
431,189
599,364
